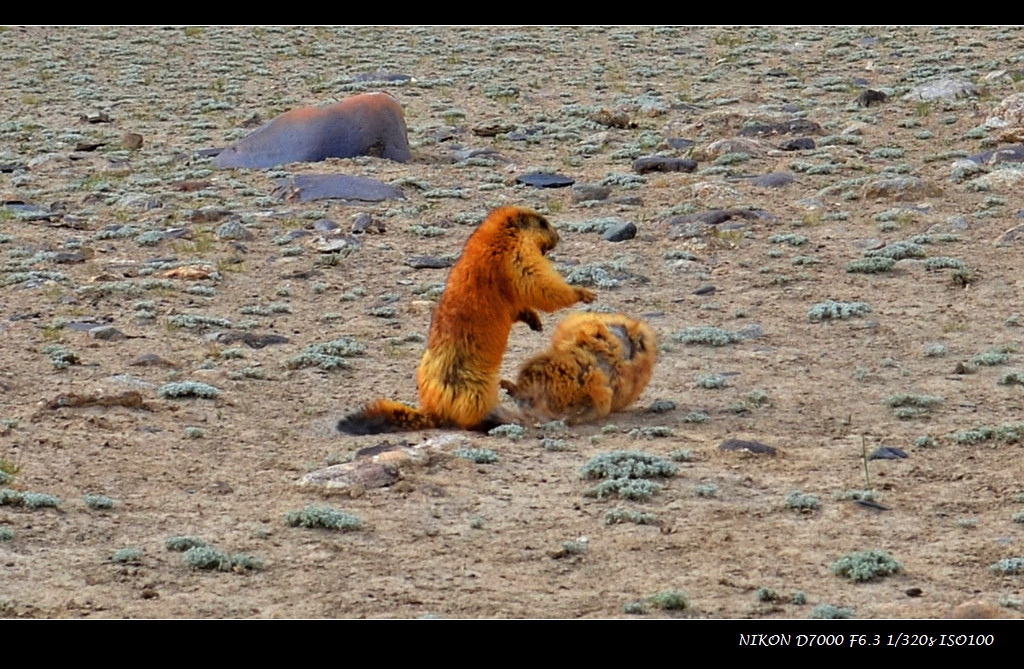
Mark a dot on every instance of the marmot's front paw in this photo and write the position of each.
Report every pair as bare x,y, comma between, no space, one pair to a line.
508,387
585,295
531,318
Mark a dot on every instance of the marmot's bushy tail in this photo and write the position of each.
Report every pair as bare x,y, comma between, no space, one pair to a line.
386,416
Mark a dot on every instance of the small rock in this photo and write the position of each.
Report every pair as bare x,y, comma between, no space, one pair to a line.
942,89
342,245
747,446
1004,154
772,180
663,164
106,333
151,360
590,192
132,140
326,225
95,117
492,127
1014,234
705,290
383,77
901,188
87,146
797,144
542,180
429,262
661,406
620,232
887,453
234,230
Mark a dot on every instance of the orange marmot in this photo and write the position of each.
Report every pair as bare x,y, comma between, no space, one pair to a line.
597,364
502,277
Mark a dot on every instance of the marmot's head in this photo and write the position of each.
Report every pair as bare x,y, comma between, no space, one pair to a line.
528,225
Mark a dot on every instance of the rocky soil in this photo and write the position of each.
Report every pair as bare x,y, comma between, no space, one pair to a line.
824,241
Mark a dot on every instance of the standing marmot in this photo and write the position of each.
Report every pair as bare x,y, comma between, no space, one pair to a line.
597,364
501,277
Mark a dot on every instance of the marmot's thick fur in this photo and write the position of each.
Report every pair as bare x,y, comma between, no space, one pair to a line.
597,364
502,277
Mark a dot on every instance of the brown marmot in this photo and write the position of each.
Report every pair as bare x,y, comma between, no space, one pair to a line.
502,277
597,364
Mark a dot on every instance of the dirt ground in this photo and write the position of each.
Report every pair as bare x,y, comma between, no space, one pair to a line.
88,417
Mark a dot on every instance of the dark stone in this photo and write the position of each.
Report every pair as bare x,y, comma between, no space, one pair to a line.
11,167
705,290
310,187
178,233
663,164
772,180
795,126
887,453
716,216
797,144
151,360
89,146
384,77
620,232
429,262
1004,154
371,124
541,180
209,153
869,96
868,504
69,257
748,446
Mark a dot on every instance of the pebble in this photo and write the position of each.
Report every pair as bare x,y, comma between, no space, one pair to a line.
234,230
250,339
542,180
428,262
663,164
151,360
620,232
